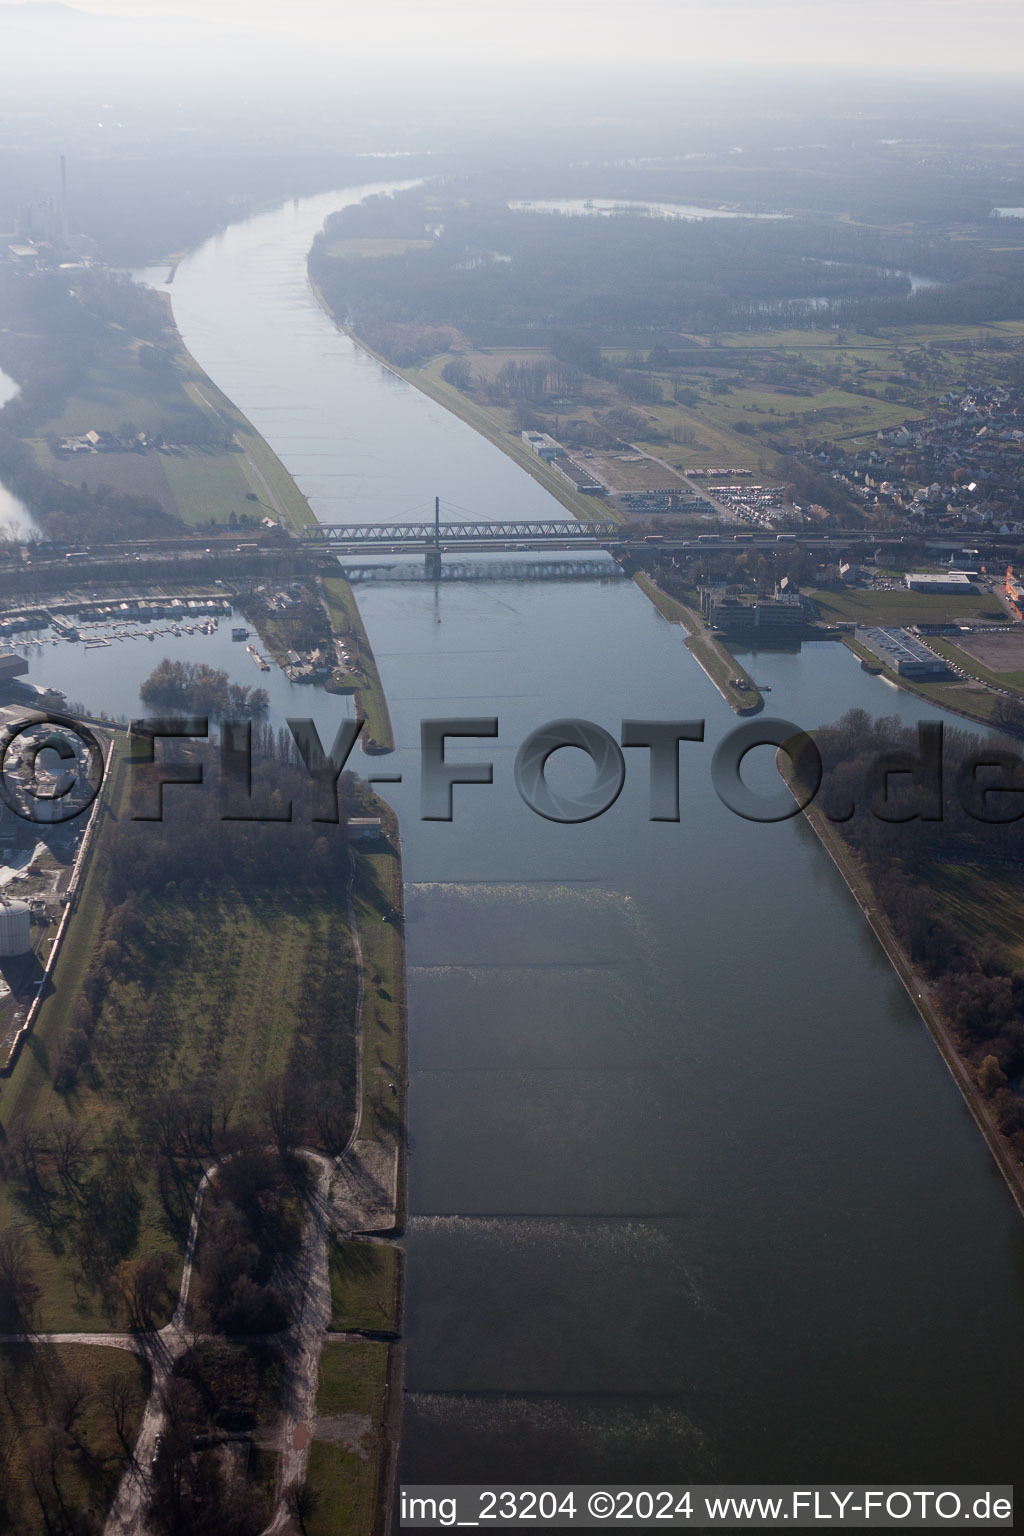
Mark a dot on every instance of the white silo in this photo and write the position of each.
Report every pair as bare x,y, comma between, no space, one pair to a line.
15,927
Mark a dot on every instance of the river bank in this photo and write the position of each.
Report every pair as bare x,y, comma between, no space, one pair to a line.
568,984
366,685
715,661
928,693
448,396
917,988
710,654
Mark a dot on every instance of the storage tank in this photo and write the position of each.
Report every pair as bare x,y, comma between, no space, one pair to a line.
15,928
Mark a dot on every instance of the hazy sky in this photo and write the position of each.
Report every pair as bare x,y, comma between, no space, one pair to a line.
920,35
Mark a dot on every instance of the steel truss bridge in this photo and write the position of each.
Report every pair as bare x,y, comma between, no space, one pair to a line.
454,569
434,535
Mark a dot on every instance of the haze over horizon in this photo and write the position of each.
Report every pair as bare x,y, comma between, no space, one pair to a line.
985,37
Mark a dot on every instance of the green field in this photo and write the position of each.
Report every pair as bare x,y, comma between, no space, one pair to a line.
271,481
116,391
691,436
899,608
854,342
198,483
345,1472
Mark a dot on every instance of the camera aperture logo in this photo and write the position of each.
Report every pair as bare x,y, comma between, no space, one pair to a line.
51,768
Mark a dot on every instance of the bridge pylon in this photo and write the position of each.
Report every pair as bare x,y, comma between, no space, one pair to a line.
432,558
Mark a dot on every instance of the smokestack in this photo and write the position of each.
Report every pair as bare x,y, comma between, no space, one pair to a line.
63,198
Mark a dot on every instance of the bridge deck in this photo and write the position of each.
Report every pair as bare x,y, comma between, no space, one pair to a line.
462,533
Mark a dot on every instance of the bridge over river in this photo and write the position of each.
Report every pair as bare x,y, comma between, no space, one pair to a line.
437,535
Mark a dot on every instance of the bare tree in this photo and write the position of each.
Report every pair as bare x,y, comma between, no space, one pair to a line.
282,1106
69,1150
302,1502
143,1285
72,1400
122,1399
18,1289
43,1465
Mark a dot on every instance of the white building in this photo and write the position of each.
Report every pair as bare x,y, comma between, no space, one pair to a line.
939,581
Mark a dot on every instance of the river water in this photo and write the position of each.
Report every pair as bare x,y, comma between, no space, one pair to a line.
691,1193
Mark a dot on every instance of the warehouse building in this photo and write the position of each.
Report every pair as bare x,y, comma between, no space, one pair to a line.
939,581
901,651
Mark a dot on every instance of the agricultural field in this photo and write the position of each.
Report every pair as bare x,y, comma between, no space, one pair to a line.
736,400
167,441
198,485
234,475
985,903
709,414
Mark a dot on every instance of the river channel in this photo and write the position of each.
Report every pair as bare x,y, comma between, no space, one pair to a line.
691,1193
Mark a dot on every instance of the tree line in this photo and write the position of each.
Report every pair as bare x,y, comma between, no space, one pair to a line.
195,688
919,808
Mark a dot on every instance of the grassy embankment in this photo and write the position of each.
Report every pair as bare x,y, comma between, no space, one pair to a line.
366,1277
716,661
347,623
346,1459
971,897
365,1281
39,1382
376,894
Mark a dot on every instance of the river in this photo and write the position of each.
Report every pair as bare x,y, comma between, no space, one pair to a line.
692,1195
